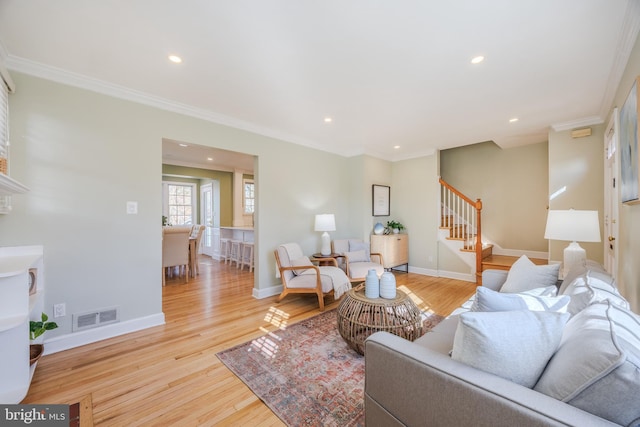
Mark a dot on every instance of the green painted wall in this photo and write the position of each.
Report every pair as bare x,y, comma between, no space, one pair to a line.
172,172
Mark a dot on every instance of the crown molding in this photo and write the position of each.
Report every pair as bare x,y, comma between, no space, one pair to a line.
586,121
81,81
628,36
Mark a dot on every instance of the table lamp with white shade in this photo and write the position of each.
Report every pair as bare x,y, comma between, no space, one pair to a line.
325,223
573,226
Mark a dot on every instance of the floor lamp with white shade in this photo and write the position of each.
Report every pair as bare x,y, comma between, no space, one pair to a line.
573,226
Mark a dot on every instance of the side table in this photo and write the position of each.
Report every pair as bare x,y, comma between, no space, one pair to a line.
359,317
326,259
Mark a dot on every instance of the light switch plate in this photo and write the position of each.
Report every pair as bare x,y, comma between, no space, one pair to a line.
132,208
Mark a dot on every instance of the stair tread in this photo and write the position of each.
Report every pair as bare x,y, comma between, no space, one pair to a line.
504,262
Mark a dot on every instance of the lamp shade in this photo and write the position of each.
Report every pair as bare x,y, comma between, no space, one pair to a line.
325,222
573,226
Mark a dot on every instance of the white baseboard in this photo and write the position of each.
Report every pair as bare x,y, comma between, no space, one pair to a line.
518,253
442,273
77,339
267,292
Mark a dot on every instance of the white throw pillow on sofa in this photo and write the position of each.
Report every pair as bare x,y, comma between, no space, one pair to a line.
597,366
515,345
590,287
488,300
525,275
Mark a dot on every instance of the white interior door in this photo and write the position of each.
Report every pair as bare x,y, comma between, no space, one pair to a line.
206,203
611,178
210,214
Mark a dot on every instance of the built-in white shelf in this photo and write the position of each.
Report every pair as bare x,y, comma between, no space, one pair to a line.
17,308
9,186
7,323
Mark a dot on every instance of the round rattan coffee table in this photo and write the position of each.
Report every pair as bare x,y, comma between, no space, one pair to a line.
359,317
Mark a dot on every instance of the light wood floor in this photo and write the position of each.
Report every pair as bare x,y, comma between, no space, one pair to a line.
170,375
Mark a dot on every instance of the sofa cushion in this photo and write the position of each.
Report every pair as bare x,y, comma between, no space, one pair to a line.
590,287
597,366
489,341
579,271
488,300
525,275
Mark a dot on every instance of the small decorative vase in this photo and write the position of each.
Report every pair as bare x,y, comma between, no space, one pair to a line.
372,285
378,228
396,231
387,285
35,352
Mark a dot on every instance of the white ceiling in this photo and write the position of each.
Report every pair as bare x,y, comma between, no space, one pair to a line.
388,72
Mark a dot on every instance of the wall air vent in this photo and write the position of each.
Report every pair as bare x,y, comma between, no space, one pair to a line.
82,321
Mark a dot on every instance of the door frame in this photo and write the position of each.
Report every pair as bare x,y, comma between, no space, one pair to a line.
611,185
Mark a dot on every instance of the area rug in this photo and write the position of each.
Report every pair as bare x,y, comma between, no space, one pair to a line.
306,374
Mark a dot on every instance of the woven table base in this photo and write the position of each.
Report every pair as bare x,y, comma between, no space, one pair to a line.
359,317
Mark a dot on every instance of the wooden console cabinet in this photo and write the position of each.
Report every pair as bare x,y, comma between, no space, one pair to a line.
393,247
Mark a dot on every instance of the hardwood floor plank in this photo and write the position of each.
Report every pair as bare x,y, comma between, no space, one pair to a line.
170,375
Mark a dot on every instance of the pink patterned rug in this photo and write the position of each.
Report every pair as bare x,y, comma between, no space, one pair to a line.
306,374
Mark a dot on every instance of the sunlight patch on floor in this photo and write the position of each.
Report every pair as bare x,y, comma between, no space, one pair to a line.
422,305
266,345
277,318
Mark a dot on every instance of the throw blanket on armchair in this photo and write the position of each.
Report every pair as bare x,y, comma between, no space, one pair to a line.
337,276
339,279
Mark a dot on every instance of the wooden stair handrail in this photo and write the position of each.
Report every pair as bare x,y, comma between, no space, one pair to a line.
477,204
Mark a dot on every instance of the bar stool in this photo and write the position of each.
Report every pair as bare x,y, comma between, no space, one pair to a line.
225,249
247,255
236,248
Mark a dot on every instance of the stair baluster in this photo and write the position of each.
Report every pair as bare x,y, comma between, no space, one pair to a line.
463,217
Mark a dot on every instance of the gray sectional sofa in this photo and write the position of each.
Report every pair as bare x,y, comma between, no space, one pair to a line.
593,372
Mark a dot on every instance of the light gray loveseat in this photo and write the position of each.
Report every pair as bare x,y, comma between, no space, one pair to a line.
419,384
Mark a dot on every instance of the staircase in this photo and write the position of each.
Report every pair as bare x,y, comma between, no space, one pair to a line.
461,226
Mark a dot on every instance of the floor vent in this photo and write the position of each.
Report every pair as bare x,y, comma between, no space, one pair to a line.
96,318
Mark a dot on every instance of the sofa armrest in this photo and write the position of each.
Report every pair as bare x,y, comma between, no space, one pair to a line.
494,279
407,384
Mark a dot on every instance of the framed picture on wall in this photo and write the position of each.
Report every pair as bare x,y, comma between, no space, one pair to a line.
629,180
381,200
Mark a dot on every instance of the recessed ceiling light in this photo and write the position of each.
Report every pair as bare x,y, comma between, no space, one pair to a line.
175,58
396,146
513,120
478,59
183,145
210,159
328,119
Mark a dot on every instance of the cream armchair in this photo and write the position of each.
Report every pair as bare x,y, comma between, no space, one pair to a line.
356,258
300,275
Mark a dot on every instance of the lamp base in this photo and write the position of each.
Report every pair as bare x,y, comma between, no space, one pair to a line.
574,257
326,244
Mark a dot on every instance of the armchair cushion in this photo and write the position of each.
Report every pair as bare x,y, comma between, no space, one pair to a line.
357,256
301,262
360,269
357,246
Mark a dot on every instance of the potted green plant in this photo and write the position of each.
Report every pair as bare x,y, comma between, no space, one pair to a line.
394,226
36,329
